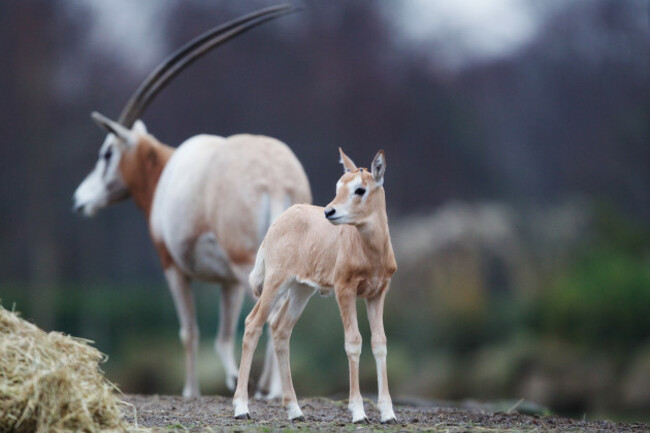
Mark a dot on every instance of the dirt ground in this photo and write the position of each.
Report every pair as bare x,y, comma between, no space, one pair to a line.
214,414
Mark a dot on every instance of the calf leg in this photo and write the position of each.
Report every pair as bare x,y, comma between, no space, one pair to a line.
375,308
269,385
254,325
179,284
347,304
281,326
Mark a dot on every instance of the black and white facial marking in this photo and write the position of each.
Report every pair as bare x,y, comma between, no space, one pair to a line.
104,185
353,190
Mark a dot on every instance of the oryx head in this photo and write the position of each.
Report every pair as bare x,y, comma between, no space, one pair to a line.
105,184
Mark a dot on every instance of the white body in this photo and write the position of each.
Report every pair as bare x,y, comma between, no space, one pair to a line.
209,204
217,197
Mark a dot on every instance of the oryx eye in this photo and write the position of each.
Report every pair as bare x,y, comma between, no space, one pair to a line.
360,191
108,154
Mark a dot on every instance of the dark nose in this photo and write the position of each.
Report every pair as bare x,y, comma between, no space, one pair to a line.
329,212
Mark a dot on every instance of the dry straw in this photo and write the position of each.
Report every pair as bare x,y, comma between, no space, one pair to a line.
50,382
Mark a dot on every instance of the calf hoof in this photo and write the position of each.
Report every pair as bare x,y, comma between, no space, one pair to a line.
363,420
243,416
390,421
294,413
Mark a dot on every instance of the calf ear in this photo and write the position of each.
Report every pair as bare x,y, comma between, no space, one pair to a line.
379,167
124,134
348,165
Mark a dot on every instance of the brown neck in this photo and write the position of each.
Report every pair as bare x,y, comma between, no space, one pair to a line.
141,168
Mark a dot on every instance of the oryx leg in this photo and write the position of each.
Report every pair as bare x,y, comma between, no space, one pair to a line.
179,284
348,306
375,307
282,324
232,296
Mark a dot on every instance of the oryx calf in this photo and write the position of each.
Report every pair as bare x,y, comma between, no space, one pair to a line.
344,248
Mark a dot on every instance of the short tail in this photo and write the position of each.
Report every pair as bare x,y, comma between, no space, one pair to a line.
256,278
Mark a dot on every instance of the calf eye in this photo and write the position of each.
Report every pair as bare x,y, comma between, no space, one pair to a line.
360,191
108,154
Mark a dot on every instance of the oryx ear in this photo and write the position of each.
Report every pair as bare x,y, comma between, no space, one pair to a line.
348,165
379,167
140,127
124,134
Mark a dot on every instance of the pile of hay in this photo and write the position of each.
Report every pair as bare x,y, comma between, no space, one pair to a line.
52,382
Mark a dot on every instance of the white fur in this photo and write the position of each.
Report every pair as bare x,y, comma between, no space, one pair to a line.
353,350
354,184
264,216
386,411
211,207
189,333
357,411
226,352
176,210
293,411
102,184
323,291
241,407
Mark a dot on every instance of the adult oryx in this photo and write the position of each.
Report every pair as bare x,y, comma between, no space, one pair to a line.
208,203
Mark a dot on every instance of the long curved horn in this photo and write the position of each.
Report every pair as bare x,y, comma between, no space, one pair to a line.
188,54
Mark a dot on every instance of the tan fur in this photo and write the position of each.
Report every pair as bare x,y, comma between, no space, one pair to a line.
303,251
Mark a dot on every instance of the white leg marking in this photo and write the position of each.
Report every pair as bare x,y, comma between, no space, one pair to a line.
386,411
293,411
356,409
241,408
353,351
355,406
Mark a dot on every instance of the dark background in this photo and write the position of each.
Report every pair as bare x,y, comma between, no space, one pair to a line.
517,141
